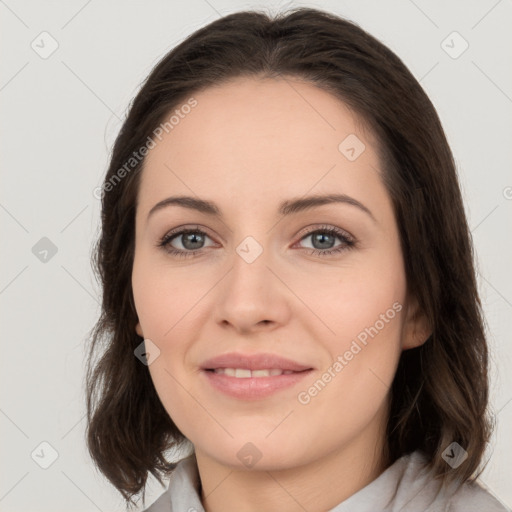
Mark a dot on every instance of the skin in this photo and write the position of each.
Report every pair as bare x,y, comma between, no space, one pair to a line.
247,146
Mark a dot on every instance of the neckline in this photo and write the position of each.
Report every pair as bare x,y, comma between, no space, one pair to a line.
185,484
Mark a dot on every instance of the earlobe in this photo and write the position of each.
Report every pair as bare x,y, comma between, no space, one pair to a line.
417,329
138,330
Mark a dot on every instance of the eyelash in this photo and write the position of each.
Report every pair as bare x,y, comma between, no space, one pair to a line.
348,242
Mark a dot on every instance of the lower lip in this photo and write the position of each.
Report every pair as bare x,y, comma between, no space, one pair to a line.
253,387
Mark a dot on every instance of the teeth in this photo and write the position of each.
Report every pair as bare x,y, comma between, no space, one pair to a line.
244,373
262,373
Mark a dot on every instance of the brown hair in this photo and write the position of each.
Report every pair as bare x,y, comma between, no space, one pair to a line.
440,391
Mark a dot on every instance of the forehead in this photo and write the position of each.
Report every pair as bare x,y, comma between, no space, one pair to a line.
257,138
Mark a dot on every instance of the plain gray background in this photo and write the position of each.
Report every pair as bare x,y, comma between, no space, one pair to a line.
60,115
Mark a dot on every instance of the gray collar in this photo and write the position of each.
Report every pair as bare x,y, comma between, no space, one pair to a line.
405,485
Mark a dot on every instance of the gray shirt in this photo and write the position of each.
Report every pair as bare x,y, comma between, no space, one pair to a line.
405,486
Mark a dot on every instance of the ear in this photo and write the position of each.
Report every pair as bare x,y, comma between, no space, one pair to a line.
416,330
138,330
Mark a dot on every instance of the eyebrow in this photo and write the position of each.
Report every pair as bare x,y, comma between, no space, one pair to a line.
288,207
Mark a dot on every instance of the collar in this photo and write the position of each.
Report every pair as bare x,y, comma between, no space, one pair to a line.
405,480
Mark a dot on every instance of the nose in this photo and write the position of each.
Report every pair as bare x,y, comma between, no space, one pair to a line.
251,297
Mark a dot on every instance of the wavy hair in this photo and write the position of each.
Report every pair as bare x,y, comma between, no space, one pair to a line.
440,391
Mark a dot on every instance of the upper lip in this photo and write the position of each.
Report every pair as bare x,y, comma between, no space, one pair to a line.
261,361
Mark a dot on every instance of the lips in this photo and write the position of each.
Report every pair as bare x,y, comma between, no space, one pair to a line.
253,362
253,376
243,373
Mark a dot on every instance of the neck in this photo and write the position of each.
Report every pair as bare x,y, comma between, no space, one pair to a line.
316,486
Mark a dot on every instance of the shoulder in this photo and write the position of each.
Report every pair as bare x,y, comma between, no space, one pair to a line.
411,486
418,490
471,496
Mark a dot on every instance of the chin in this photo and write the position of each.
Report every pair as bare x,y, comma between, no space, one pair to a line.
256,452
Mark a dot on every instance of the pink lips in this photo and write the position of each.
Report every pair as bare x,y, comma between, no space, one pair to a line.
253,387
260,361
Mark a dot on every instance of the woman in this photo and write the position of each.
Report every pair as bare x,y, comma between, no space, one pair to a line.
288,284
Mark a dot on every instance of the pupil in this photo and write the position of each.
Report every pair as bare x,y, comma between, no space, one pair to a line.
192,238
321,239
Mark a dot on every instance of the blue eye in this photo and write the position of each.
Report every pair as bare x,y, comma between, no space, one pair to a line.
190,239
193,240
326,236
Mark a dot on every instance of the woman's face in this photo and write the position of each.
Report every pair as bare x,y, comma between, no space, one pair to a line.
267,272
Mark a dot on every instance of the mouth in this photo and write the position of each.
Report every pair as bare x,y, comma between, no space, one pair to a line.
253,376
254,362
245,373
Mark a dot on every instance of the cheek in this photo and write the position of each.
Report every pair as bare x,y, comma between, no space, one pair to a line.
162,296
348,394
341,302
164,300
360,325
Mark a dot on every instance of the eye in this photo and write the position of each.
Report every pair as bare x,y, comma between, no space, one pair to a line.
323,240
190,242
